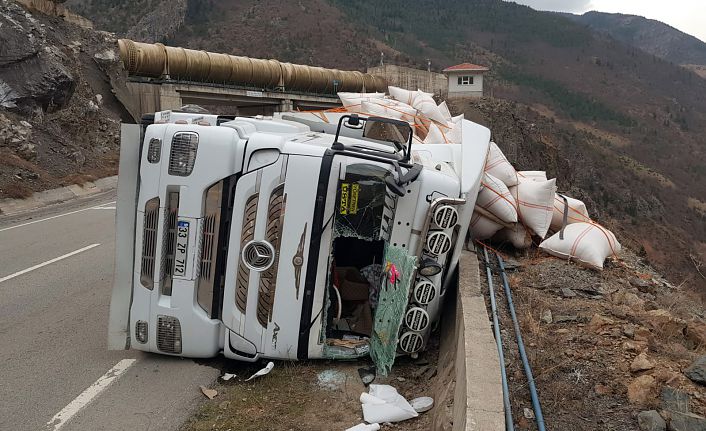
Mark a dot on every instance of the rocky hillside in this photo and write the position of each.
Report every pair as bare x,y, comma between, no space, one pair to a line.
59,119
651,36
623,125
617,350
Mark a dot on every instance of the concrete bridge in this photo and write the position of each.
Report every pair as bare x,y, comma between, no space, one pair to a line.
150,95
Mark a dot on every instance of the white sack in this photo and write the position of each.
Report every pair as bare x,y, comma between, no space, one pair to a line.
535,204
353,100
262,372
365,427
518,236
454,134
434,136
404,96
497,165
587,243
389,109
421,127
482,227
495,197
531,176
577,212
395,409
444,108
425,104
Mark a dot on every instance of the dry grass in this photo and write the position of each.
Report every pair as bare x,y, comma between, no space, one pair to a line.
17,191
698,206
77,178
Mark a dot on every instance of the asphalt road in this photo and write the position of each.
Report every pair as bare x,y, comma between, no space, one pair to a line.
56,269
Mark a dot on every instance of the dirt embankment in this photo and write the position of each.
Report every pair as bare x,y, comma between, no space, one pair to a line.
59,118
604,346
647,214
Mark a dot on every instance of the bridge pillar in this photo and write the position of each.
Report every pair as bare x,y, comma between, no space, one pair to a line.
169,98
285,105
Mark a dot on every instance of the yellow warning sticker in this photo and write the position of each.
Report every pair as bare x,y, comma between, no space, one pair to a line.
344,198
353,207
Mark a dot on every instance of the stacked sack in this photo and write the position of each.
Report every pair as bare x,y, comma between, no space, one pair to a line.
517,206
431,123
511,206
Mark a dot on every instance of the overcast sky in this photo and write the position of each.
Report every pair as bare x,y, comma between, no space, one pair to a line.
688,16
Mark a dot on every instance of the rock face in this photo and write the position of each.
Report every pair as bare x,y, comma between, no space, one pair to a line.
54,128
697,371
687,422
664,322
696,333
651,421
641,363
642,389
32,73
160,23
598,322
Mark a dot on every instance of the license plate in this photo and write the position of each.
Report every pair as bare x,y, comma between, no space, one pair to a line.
182,248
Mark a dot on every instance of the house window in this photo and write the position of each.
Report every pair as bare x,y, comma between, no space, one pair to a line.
465,80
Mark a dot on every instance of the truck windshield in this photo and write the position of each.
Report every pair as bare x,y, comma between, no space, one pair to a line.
361,230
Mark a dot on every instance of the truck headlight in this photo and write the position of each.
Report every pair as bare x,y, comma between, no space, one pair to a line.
141,331
438,242
154,150
429,267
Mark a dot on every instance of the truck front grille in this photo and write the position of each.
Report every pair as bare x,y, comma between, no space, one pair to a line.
170,226
207,240
208,246
273,235
182,156
149,243
247,235
168,334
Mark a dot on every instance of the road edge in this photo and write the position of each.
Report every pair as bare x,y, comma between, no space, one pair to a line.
478,398
38,200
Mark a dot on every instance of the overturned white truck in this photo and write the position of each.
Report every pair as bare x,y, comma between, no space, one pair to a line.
291,237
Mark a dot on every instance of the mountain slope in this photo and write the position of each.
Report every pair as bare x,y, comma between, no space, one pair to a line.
59,117
640,118
651,36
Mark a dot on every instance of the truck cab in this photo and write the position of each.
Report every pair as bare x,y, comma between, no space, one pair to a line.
289,237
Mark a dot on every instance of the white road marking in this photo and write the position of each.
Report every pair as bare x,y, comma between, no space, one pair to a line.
60,419
53,217
48,262
103,208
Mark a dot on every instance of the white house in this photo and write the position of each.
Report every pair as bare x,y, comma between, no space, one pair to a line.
465,80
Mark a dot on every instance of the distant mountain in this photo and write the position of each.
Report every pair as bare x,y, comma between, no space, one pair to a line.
653,37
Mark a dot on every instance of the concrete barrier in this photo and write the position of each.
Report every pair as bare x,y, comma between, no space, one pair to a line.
42,199
478,397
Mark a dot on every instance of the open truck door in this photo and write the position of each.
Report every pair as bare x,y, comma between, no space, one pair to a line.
126,210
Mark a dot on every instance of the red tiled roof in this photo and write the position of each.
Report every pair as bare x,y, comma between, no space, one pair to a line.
463,67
